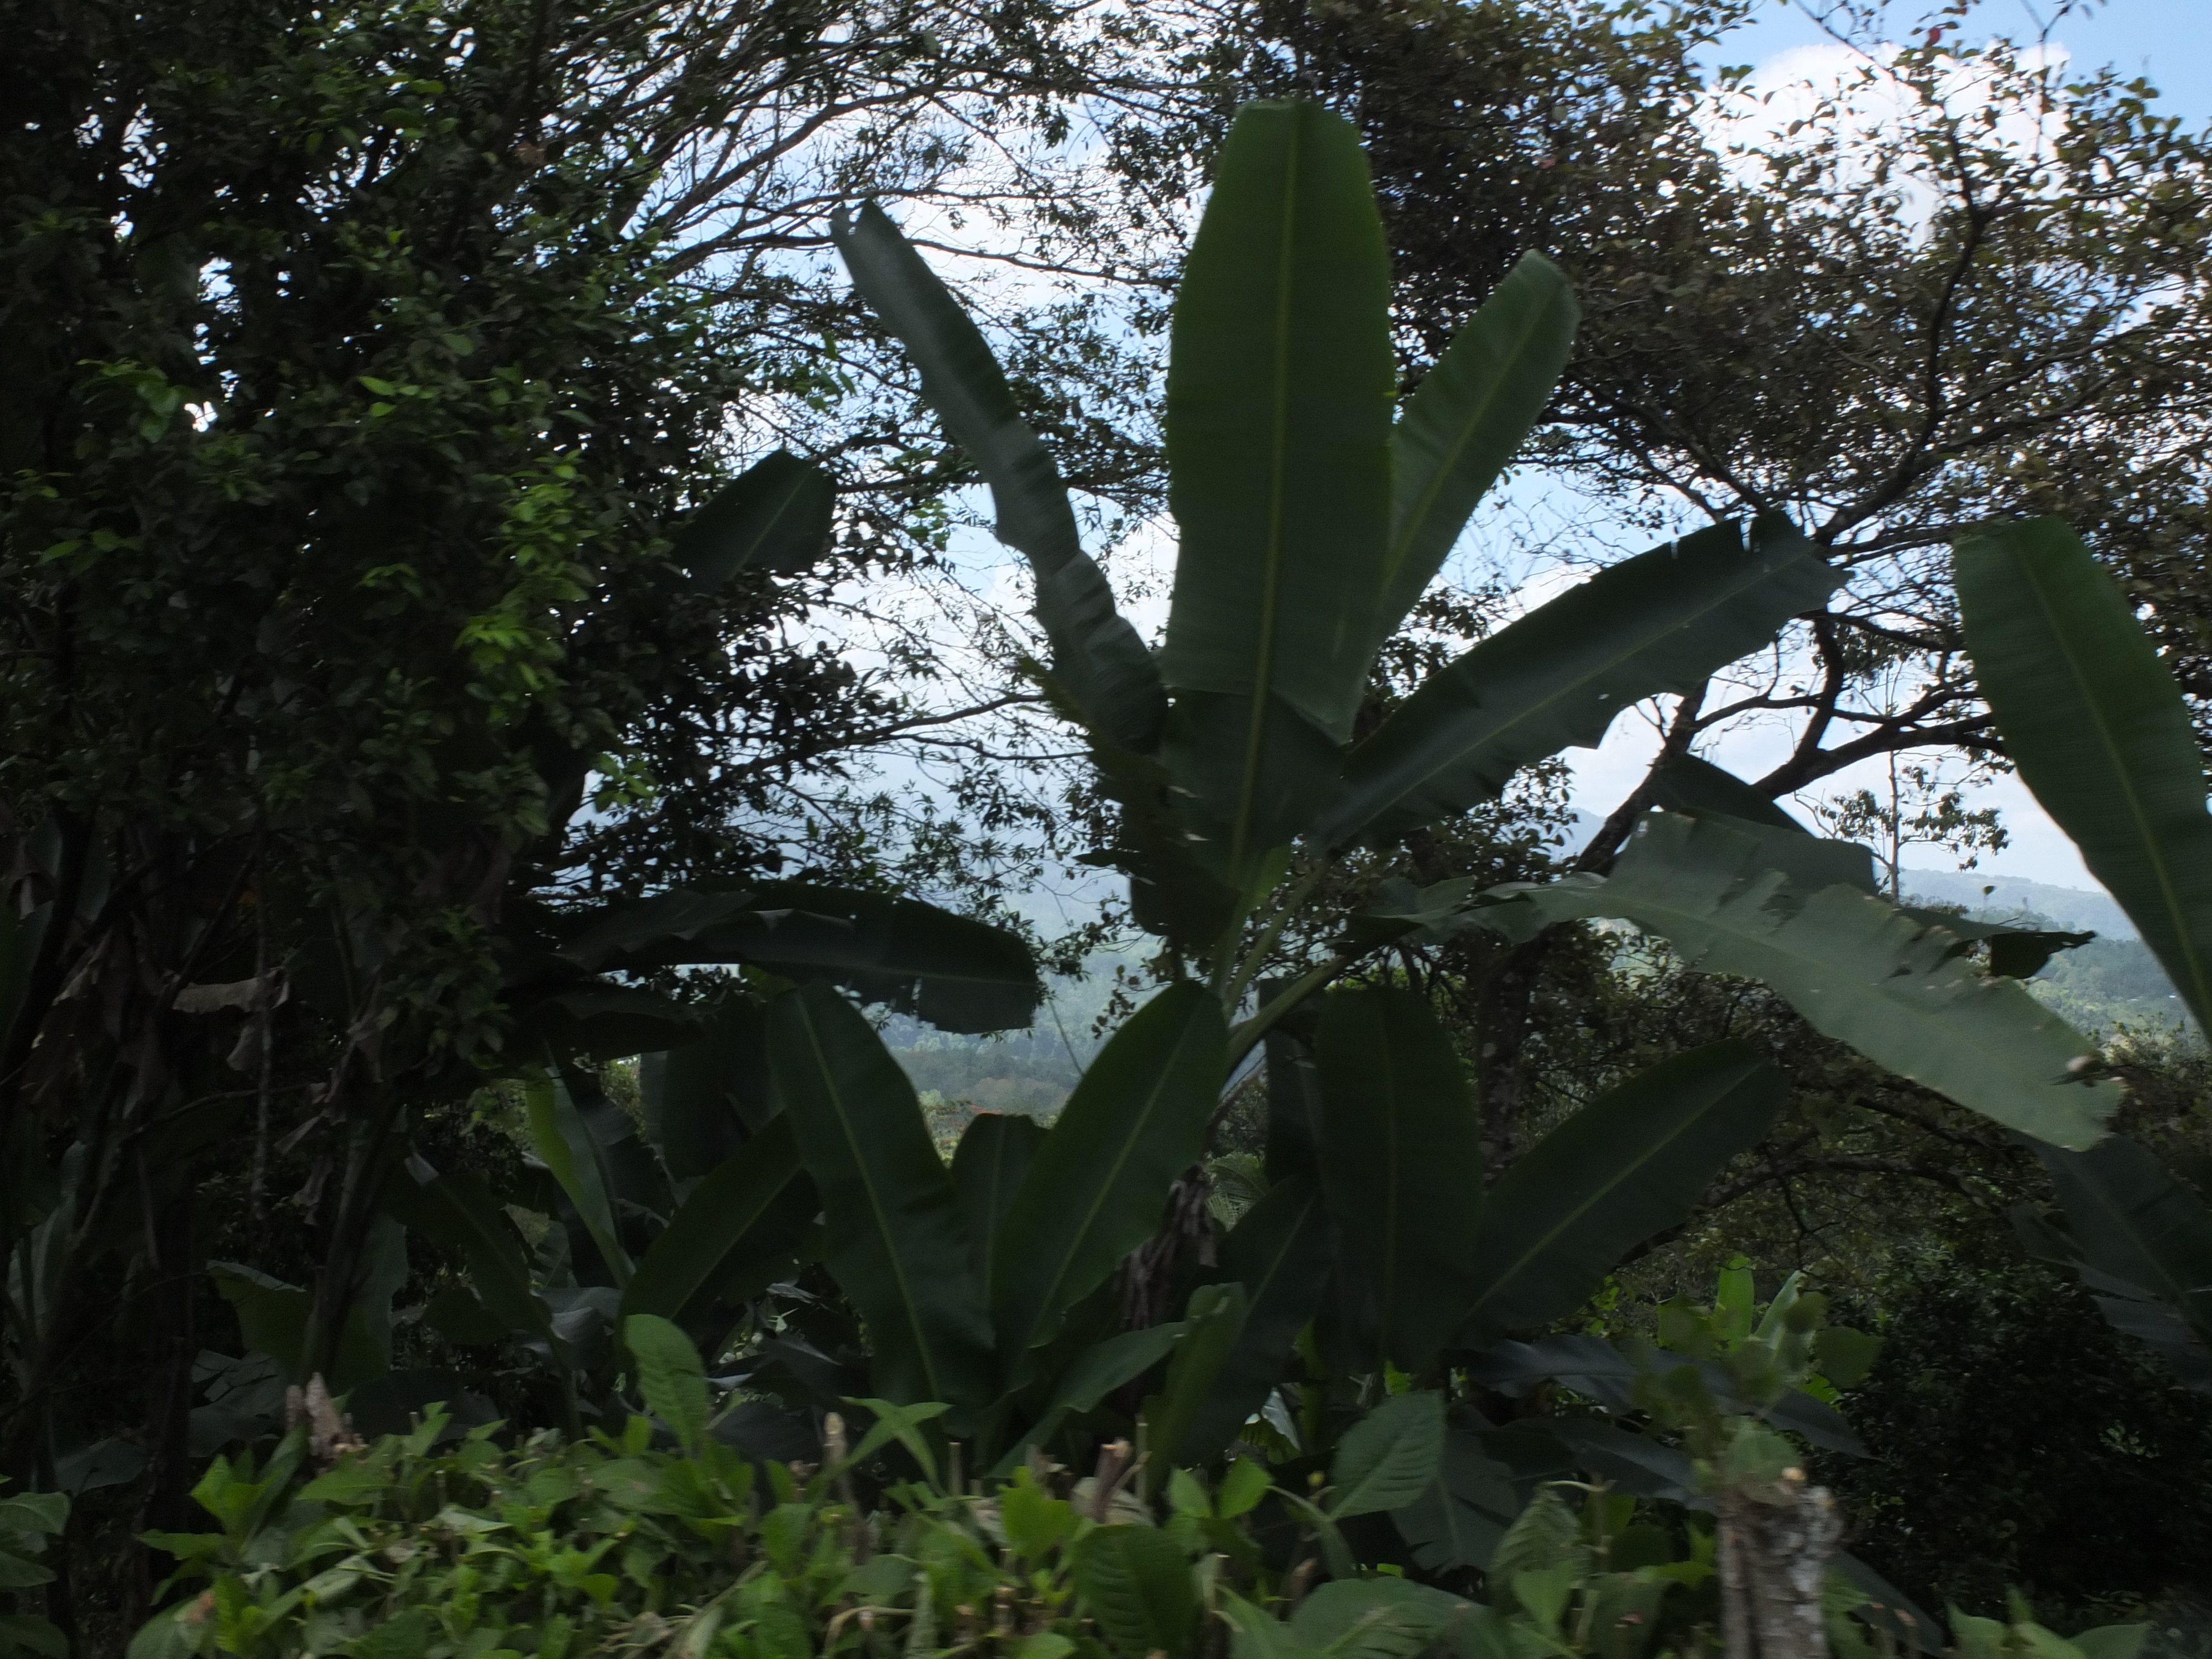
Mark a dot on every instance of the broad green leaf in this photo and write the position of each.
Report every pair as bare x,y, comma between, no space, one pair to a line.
1173,891
1684,783
995,1153
1402,1163
1215,1318
1095,1189
955,972
565,1144
2110,1641
1113,1364
1294,1106
583,1020
2096,723
1380,1618
1037,1522
1472,411
1251,776
453,1210
1134,1582
1243,1486
2143,1239
1811,862
895,1244
19,1573
30,1513
671,1377
703,1098
1633,1162
1280,1251
1845,1356
272,1316
748,1213
1280,380
902,1423
29,1633
1388,1458
1096,656
1256,1633
1464,1511
1660,621
1104,1367
1894,987
774,516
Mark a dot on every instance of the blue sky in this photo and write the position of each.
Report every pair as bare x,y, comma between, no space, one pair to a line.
2168,42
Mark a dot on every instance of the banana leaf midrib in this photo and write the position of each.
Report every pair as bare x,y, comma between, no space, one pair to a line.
1263,674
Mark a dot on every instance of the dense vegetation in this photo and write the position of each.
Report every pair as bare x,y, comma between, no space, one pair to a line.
491,1079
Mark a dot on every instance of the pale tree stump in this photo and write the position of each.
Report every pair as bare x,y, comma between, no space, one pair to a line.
1777,1539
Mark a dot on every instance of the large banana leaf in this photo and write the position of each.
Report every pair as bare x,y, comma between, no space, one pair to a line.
1277,426
1699,788
995,1153
1660,622
1103,1367
701,1100
452,1209
1894,986
750,1209
565,1145
1095,1186
1684,783
1214,1321
1633,1162
774,516
1810,861
1096,656
1402,1163
584,1019
895,1242
1294,1105
1280,377
2143,1240
954,971
1251,774
1280,1251
1473,409
2097,726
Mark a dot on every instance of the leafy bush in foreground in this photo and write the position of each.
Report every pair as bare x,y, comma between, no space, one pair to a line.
423,1546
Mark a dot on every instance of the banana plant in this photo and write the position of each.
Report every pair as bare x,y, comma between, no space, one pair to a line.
2096,723
1311,515
689,1216
988,1286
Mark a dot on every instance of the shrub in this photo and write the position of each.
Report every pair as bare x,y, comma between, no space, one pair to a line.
2018,1438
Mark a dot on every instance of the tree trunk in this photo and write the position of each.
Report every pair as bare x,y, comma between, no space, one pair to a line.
1776,1543
173,1271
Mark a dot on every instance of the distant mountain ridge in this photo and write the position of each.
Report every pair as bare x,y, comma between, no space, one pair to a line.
2084,909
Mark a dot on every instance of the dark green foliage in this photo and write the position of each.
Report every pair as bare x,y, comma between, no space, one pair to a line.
1400,1162
895,1237
2097,725
2016,1439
